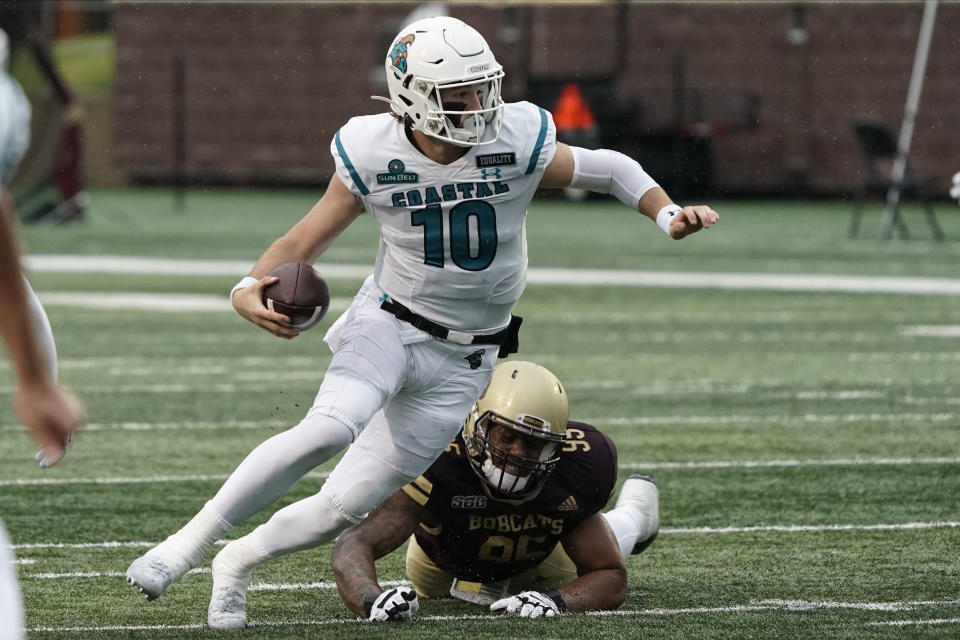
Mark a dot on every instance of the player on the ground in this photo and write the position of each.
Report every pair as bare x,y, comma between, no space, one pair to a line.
49,411
509,515
448,175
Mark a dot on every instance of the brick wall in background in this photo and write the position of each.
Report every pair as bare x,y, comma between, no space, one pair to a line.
267,86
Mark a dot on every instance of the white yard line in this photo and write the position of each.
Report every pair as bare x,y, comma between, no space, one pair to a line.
763,605
762,464
931,330
811,528
108,300
576,277
40,482
796,528
671,420
624,465
719,420
904,623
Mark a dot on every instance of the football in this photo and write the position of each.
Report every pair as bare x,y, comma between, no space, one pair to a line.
300,293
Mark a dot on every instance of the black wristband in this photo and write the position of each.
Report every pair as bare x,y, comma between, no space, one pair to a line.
368,601
554,595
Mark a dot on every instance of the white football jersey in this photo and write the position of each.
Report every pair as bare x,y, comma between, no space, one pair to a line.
14,126
452,237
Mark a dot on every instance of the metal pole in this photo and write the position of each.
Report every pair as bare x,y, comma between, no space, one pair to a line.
909,114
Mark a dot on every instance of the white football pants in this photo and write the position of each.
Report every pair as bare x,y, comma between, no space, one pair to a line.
413,390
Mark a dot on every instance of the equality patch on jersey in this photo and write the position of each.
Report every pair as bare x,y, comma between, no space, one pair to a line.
496,160
396,174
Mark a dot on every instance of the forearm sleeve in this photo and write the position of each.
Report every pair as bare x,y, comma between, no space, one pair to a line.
606,171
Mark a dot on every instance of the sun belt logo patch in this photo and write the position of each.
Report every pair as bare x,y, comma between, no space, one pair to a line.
396,174
398,55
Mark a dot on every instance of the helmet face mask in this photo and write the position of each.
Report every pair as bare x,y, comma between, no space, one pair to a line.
516,430
432,58
509,473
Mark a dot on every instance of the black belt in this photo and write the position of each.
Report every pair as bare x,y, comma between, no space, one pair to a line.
439,331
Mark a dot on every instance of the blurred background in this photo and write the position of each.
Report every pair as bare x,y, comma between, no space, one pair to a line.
715,99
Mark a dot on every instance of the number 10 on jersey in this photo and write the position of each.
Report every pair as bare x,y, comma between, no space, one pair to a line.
462,216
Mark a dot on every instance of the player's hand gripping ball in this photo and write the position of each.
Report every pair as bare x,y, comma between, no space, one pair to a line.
300,294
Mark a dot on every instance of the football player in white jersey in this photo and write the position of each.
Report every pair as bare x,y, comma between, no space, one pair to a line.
448,174
51,412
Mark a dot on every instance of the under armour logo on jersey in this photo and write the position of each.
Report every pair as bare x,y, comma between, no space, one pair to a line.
488,174
475,359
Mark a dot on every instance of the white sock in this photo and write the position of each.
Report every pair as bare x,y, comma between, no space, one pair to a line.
630,526
625,526
194,538
240,557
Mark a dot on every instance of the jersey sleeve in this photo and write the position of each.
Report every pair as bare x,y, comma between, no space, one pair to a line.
14,126
347,149
592,464
541,136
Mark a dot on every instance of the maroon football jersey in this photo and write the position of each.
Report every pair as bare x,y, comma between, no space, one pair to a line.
479,539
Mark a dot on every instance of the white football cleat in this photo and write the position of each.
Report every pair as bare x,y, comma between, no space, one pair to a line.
158,568
228,601
641,494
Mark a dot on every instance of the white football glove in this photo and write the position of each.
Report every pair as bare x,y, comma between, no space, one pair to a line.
396,605
531,604
955,190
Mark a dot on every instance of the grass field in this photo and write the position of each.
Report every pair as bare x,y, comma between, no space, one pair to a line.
806,443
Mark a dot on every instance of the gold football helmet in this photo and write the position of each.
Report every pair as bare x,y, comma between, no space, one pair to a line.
516,428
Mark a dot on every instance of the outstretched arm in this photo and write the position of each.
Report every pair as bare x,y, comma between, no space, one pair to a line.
385,529
602,581
606,171
49,410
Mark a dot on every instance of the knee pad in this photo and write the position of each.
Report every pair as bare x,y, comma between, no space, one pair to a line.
347,400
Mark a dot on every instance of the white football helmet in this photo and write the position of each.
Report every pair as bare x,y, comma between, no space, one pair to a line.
530,401
439,53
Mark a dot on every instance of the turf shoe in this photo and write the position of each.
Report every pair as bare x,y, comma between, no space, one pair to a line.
228,601
640,494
